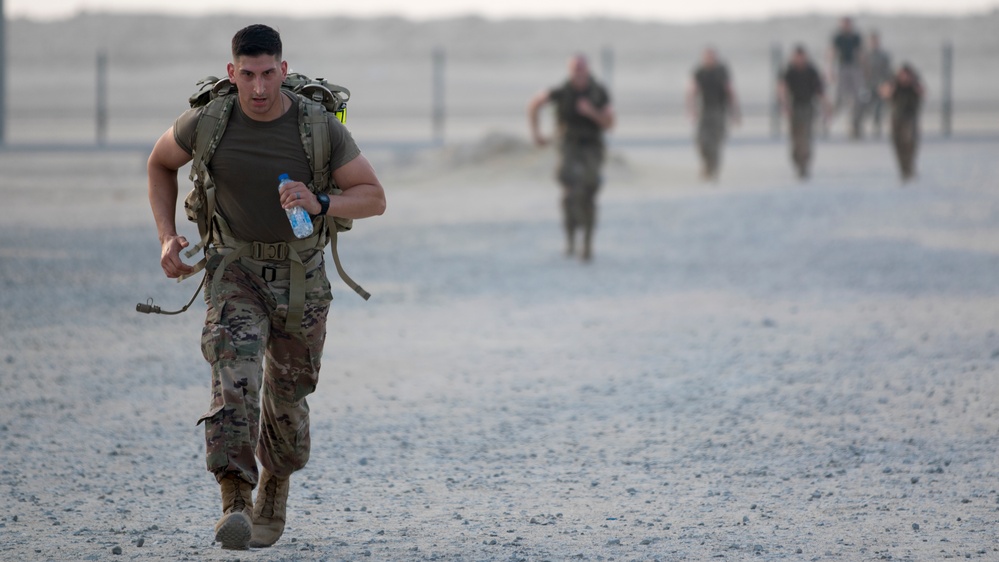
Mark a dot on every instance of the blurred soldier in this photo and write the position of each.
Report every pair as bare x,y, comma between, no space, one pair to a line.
264,361
583,112
845,71
798,89
710,101
877,71
905,92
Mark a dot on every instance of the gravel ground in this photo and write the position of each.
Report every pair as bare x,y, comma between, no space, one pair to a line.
755,369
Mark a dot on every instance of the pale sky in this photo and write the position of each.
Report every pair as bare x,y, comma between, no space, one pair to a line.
423,9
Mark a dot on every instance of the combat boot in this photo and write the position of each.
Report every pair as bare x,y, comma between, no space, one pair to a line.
270,509
233,530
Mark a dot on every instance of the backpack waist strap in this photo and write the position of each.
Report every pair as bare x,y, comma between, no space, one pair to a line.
291,253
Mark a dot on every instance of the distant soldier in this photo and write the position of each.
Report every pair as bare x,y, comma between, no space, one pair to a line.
905,91
845,71
583,112
710,101
799,88
877,71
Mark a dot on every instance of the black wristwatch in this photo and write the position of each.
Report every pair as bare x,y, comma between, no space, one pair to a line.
324,201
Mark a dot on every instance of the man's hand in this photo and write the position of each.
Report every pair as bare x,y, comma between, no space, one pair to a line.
604,117
170,257
296,194
586,109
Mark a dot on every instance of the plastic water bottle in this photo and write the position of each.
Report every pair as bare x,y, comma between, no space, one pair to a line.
301,224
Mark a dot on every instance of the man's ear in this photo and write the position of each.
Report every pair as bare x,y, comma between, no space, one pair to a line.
231,71
284,70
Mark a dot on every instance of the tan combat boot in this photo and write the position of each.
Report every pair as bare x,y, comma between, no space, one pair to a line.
233,530
270,510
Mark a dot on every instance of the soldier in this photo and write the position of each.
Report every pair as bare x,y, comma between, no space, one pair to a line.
798,89
845,71
877,71
711,100
263,365
905,91
583,112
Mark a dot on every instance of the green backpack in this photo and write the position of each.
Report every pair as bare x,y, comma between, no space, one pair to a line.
317,99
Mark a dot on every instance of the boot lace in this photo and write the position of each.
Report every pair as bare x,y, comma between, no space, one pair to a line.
238,502
270,494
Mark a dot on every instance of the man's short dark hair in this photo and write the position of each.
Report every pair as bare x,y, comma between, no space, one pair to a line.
255,40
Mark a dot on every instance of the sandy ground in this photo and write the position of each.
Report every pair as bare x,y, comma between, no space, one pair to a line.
758,369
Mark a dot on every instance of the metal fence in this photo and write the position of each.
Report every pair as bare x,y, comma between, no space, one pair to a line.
453,97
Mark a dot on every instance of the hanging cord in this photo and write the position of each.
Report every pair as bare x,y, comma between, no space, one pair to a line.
149,308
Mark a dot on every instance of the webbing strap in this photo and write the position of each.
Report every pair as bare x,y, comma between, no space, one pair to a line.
208,133
296,288
331,228
258,250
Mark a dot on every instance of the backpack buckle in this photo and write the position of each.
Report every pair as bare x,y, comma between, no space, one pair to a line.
270,252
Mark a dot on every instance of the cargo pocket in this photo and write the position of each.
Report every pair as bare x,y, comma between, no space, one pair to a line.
210,414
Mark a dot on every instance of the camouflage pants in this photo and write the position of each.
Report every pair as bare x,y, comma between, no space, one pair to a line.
710,134
261,374
905,137
802,120
579,175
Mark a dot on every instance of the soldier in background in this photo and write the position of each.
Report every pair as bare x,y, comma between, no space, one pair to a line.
799,89
711,100
846,73
877,71
905,92
583,112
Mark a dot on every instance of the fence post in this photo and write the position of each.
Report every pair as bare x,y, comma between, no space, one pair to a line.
775,67
437,115
607,66
3,75
102,94
946,90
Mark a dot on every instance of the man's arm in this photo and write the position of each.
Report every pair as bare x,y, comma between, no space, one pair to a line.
782,96
603,117
733,103
692,107
533,109
362,197
166,158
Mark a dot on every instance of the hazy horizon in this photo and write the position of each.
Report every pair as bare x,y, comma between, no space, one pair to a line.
707,10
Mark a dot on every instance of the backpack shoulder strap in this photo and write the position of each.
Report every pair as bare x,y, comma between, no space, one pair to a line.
208,132
314,127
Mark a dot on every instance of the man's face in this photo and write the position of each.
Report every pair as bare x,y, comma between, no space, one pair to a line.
258,80
709,58
799,59
579,73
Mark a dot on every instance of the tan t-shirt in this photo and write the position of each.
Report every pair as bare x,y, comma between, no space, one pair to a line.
246,165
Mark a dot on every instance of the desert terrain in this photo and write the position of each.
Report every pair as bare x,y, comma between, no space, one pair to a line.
758,368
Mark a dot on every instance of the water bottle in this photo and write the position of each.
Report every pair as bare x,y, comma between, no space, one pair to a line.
301,224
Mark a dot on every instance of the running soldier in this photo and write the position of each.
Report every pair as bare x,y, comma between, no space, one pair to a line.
711,100
845,71
583,112
905,92
798,89
264,361
877,71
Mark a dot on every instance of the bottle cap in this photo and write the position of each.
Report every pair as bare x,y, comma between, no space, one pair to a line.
283,177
